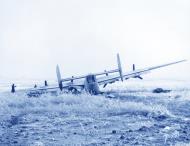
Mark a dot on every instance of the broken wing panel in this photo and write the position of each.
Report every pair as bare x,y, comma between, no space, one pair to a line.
65,86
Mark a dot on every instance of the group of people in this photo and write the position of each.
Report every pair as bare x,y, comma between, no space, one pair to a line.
35,86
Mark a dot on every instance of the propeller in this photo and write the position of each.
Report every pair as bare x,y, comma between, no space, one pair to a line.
138,76
109,83
133,67
105,85
106,72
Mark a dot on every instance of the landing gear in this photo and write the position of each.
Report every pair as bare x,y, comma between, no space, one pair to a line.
73,90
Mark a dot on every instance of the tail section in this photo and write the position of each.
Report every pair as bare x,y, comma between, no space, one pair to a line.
119,67
59,77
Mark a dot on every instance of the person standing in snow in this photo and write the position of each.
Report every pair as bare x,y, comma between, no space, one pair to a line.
46,84
13,88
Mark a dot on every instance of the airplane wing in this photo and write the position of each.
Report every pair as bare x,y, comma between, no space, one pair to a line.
64,86
111,76
133,74
77,81
36,92
52,88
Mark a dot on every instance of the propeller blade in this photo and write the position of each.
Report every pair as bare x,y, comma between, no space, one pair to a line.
133,67
104,85
140,77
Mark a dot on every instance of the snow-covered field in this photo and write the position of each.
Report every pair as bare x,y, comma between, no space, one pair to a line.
135,116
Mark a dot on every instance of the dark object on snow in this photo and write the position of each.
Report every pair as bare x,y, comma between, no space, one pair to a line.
160,117
143,128
35,93
113,131
130,130
35,86
122,137
13,88
177,96
160,90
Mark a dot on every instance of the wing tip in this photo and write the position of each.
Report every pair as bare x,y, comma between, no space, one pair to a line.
184,60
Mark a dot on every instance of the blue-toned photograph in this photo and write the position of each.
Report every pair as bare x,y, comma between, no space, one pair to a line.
94,73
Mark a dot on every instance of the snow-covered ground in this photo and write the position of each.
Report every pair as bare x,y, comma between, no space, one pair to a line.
135,116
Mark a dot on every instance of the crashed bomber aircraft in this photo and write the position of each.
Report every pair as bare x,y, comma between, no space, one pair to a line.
91,82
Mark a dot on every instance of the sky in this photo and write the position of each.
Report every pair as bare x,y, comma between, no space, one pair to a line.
84,36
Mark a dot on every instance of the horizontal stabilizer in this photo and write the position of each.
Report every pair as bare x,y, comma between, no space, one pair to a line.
119,67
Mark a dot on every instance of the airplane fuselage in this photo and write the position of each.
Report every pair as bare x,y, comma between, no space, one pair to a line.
91,85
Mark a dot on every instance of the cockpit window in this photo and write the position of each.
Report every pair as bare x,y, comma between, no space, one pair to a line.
91,78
